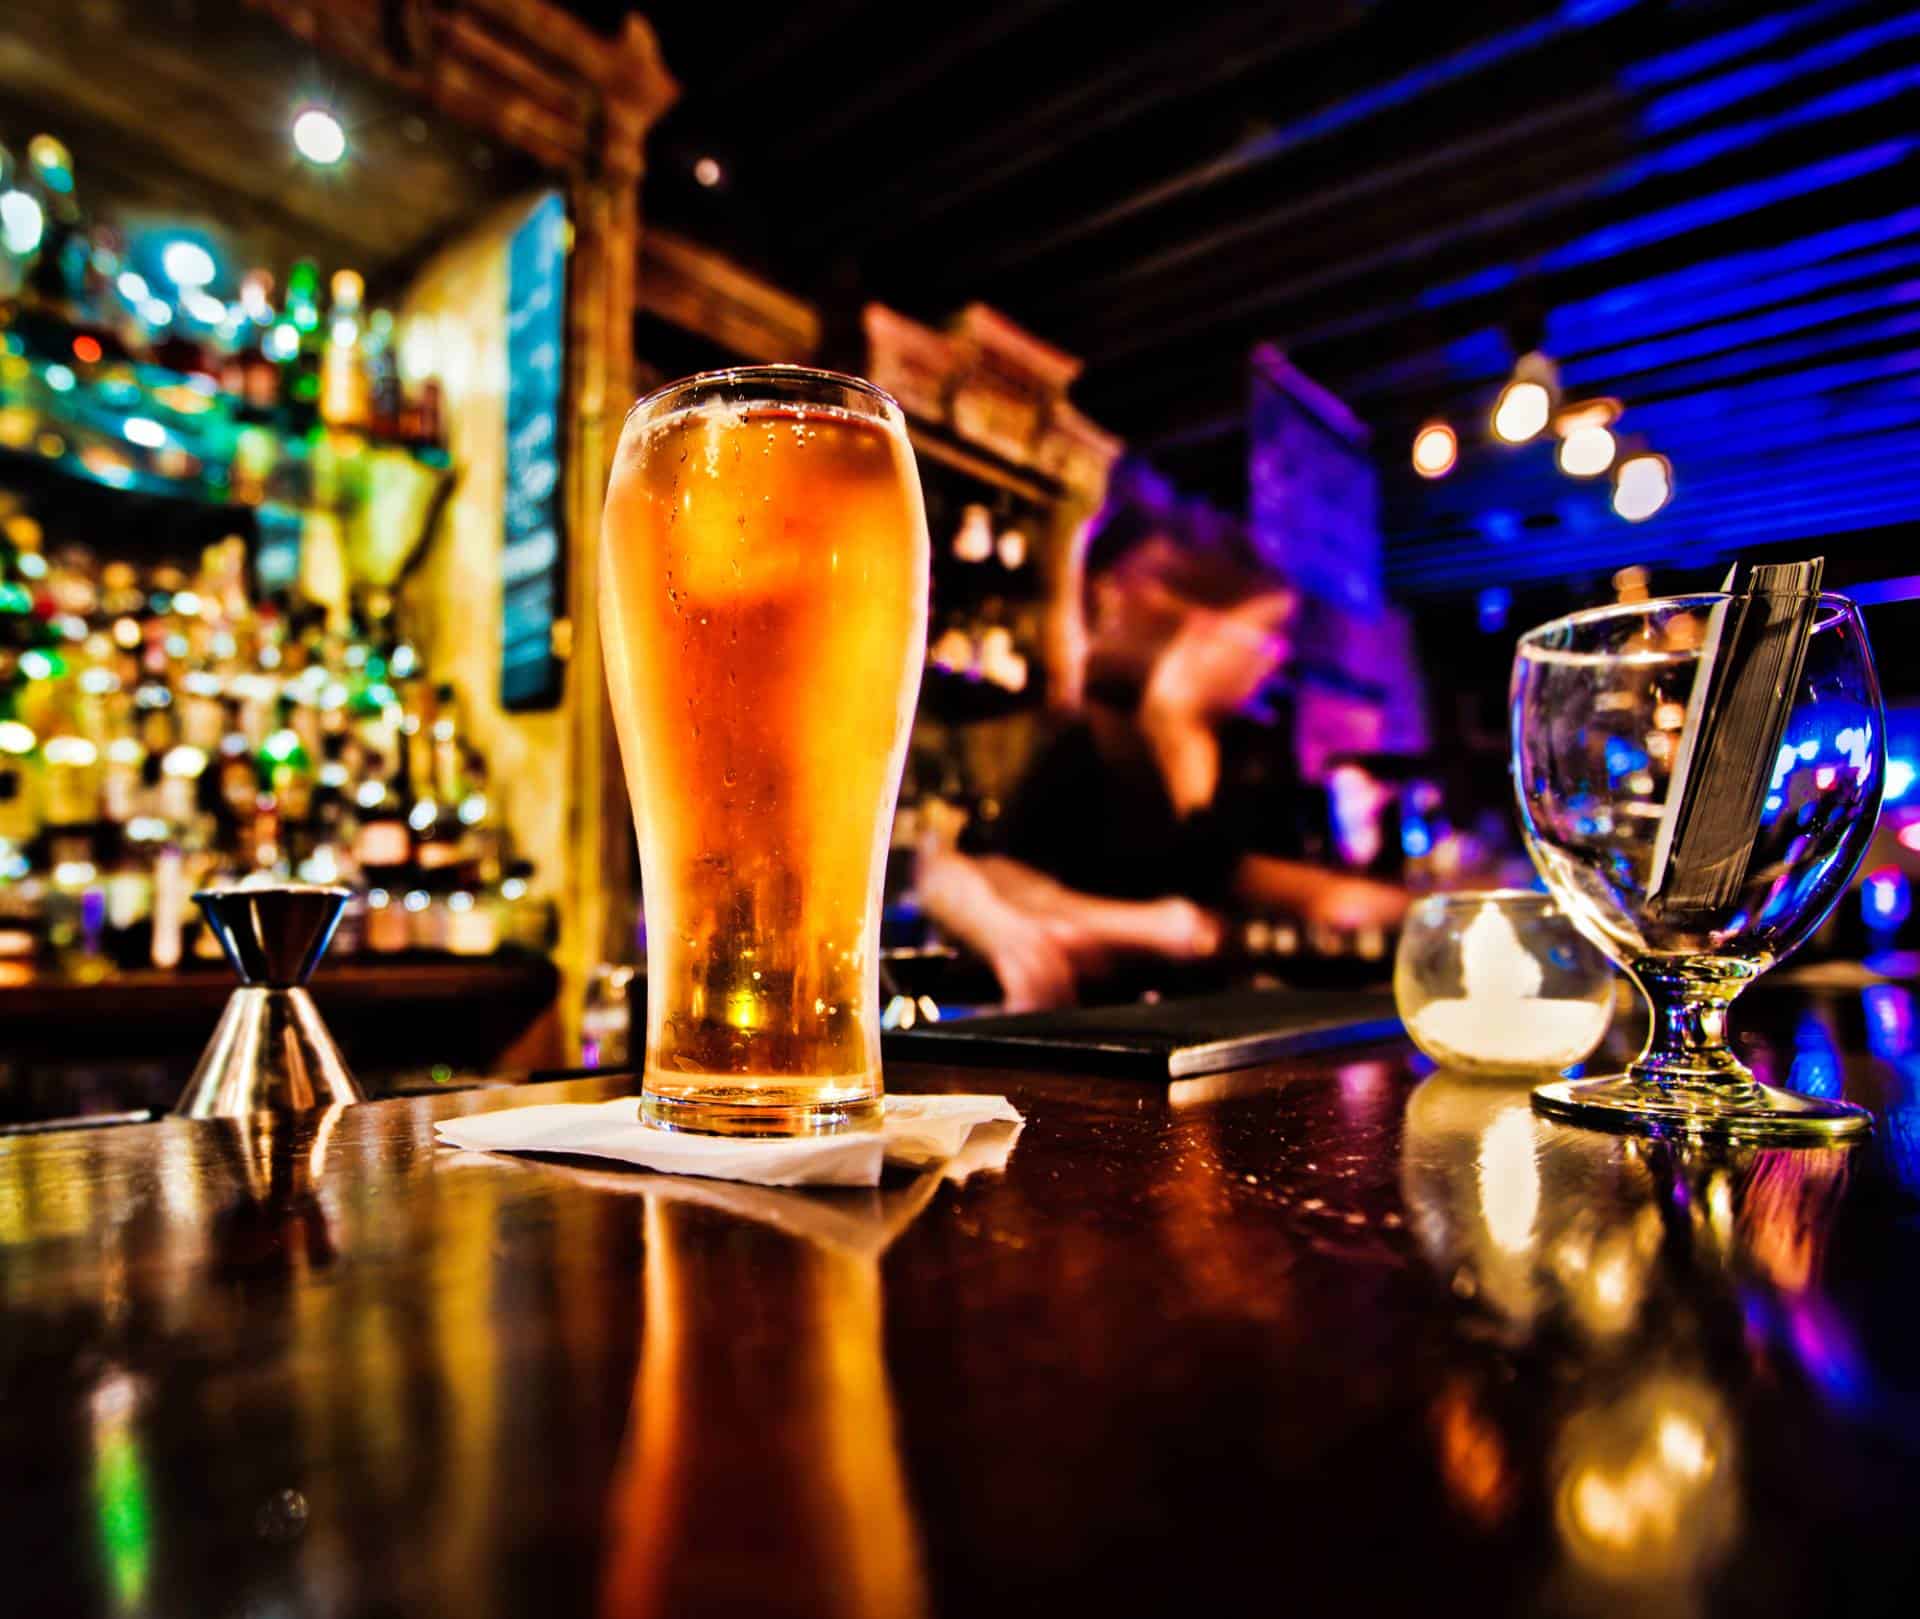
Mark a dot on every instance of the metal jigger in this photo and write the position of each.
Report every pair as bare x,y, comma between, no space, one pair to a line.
271,1052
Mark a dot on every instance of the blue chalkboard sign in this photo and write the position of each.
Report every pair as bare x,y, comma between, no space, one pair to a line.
533,559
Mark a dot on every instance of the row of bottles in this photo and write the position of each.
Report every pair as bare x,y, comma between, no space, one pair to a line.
987,594
159,732
94,310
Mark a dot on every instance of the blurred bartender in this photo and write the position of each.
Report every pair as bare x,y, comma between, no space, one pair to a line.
1165,801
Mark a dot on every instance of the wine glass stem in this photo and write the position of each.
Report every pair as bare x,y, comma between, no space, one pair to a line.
1688,1049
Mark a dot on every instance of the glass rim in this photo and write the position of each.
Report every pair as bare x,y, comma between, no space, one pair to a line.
1843,606
652,402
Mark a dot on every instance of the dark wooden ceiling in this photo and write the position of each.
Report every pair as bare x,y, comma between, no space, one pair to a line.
1703,206
179,112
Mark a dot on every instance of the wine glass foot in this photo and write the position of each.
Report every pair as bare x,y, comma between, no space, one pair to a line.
1749,1112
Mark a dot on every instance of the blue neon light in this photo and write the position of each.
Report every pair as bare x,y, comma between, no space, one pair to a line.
1886,899
1890,1020
1702,100
1903,589
1783,379
1816,1059
1735,201
1449,70
1685,63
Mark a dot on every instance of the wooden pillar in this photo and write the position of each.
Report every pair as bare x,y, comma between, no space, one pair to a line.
532,76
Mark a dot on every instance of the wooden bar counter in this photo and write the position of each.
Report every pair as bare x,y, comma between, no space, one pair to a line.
1322,1337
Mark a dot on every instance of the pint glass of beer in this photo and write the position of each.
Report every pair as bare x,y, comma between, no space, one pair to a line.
764,608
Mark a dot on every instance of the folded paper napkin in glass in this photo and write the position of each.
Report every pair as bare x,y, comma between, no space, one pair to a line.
916,1132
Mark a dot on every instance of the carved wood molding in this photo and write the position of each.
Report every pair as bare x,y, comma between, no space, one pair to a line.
694,287
523,71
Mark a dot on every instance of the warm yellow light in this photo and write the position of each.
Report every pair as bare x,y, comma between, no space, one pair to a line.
126,633
1509,1177
71,750
1436,447
1522,411
1586,452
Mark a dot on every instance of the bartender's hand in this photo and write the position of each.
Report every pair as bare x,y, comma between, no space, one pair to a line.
1030,959
1213,665
1092,928
1041,937
1033,967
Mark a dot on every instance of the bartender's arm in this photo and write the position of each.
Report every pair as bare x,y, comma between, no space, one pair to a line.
1041,937
1315,894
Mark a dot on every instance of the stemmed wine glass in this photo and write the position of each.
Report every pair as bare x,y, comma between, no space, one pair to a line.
1599,705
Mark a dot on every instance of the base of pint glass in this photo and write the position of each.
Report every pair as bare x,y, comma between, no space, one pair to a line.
719,1105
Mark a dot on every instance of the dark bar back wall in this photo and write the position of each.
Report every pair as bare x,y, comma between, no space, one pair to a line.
1700,210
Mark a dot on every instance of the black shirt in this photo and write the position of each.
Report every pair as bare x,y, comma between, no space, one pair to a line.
1101,821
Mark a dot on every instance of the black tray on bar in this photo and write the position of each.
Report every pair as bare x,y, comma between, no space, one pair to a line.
1162,1040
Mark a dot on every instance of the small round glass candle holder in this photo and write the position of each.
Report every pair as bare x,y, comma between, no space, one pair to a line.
1498,982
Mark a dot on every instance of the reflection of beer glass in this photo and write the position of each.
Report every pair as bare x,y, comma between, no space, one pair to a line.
764,609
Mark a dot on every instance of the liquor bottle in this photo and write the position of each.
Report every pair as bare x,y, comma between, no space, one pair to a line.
121,778
128,885
49,307
429,416
170,901
383,844
485,838
343,377
19,816
266,855
285,766
301,361
473,923
72,776
448,757
250,378
329,840
385,404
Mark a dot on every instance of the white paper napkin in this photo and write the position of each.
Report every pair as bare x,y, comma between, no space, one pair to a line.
915,1131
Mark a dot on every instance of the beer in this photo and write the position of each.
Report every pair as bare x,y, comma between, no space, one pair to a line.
763,605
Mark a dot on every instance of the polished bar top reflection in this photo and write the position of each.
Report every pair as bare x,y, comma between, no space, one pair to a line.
1342,1334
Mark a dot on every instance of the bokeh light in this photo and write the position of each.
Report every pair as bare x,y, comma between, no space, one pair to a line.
1522,412
1587,452
187,264
318,137
1642,486
21,222
1436,448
